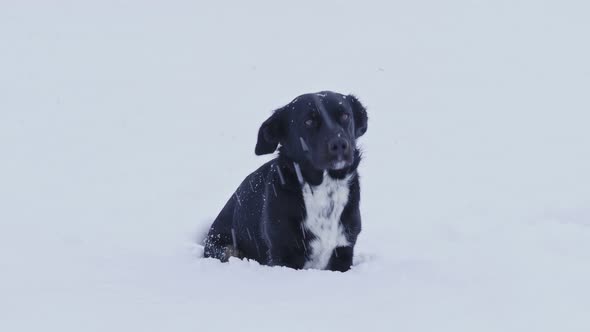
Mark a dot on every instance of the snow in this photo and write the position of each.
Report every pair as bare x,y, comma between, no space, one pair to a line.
126,126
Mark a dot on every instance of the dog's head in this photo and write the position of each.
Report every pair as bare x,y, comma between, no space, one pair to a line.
321,128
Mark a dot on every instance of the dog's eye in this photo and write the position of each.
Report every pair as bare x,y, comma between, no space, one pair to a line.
310,122
344,117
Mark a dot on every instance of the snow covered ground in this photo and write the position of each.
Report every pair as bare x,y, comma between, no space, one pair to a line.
126,125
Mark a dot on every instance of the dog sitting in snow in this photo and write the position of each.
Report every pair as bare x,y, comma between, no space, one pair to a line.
301,209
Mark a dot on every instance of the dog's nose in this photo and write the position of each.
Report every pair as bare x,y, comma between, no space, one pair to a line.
338,146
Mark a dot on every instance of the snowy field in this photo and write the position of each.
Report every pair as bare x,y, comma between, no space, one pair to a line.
126,125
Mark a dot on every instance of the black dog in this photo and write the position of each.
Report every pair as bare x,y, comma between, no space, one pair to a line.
300,209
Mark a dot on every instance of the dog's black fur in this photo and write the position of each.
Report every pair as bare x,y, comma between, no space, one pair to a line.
264,218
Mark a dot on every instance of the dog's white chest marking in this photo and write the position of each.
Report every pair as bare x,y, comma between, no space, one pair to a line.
324,205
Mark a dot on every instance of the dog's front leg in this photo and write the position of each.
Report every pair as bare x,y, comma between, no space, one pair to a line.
275,258
341,259
285,256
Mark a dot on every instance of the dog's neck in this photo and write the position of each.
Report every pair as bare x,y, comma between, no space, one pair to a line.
295,172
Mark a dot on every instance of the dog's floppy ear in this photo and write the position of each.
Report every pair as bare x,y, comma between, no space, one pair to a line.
270,134
360,116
